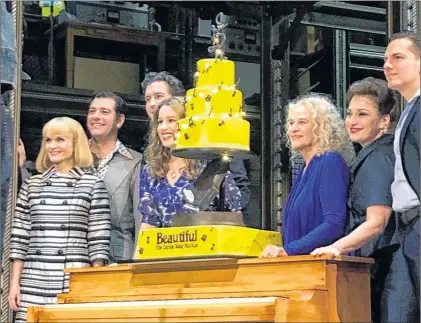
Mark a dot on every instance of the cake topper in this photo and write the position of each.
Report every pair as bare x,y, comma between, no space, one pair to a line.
218,37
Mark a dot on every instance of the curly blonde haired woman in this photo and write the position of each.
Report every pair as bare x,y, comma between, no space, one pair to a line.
315,211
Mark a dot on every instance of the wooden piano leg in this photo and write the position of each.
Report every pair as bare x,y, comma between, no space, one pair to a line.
314,309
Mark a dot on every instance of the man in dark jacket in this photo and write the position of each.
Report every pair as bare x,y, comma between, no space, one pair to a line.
402,289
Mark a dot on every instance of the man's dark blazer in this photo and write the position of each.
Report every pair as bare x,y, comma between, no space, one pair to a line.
239,173
410,147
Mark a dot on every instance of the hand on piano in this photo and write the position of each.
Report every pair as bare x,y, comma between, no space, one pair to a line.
328,250
98,264
273,251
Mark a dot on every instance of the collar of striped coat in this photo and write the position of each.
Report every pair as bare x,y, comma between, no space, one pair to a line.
75,172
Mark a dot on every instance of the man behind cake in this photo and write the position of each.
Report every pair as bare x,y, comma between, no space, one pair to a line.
160,86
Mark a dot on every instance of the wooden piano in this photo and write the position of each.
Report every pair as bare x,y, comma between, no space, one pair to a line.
285,289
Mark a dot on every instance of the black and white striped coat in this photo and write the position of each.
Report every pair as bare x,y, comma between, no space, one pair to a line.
61,221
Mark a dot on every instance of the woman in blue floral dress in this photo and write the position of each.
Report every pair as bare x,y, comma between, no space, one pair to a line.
165,179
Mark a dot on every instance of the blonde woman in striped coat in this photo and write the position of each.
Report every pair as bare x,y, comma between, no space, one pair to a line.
62,219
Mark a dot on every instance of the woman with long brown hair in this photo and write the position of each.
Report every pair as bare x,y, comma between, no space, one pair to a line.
165,179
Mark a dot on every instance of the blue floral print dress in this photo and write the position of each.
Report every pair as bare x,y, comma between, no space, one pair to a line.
160,201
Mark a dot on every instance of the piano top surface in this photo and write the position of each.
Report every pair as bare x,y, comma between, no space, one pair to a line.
216,262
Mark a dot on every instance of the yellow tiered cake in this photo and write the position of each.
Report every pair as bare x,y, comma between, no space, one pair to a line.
214,113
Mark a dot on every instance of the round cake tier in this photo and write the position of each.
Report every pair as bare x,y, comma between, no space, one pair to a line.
206,101
215,71
233,133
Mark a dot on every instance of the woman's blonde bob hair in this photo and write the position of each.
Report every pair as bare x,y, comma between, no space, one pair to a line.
157,155
329,127
82,156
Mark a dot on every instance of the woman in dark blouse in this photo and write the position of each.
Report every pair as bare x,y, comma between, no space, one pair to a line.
166,181
315,211
371,108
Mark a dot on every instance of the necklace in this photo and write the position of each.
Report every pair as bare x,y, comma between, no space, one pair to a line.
175,170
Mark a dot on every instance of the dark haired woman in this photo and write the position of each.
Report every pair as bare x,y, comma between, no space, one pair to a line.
371,106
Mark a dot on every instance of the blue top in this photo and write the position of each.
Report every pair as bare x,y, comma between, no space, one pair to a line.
315,211
160,201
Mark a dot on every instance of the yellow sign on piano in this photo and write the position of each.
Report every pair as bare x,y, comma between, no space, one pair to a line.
204,241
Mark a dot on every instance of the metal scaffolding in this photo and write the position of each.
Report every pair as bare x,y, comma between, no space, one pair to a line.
280,164
266,119
341,69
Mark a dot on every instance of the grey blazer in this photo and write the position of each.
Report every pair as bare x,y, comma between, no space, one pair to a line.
122,182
